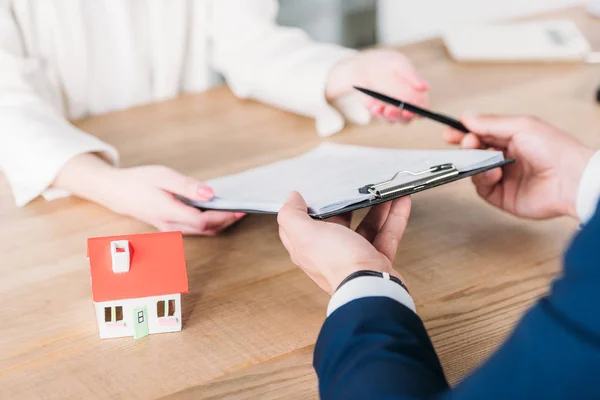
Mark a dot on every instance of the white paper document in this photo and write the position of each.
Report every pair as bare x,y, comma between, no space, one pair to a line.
330,176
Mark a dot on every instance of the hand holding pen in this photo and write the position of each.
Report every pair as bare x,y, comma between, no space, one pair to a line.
402,105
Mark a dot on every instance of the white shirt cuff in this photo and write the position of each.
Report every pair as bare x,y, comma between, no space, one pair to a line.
369,286
330,118
589,190
35,181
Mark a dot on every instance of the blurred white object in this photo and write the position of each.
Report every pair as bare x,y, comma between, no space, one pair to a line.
405,21
531,41
594,7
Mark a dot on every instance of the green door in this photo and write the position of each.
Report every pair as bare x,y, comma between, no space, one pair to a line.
140,322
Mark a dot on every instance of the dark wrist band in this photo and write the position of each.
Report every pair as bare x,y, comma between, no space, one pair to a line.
382,275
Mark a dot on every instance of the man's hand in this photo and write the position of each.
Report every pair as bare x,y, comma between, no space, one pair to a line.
544,181
385,71
146,193
329,251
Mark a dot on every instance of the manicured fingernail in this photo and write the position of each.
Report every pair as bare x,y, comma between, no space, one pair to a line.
408,114
377,109
239,214
206,193
389,113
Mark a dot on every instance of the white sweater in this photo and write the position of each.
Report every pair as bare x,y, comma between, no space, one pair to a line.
67,59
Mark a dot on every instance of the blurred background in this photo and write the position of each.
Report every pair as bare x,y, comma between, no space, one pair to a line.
359,23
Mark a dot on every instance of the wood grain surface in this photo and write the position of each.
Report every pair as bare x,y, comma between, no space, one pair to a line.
252,318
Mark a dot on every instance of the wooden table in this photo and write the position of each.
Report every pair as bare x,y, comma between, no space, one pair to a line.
251,319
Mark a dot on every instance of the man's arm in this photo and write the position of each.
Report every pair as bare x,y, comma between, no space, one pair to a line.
370,347
554,351
376,347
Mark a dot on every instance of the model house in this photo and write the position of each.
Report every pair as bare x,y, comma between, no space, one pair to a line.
137,282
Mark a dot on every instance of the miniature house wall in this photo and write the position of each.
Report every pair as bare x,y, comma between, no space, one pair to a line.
113,322
137,282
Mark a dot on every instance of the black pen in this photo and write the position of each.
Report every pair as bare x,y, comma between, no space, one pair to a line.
451,122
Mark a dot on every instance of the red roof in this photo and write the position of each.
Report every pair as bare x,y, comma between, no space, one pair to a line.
157,267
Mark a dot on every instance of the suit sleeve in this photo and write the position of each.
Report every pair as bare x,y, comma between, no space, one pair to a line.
554,352
280,66
36,141
377,348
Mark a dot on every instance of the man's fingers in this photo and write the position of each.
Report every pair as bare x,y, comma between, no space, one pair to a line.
373,221
493,194
497,130
452,136
471,141
486,180
293,218
344,219
295,205
489,187
181,185
289,247
388,238
466,141
284,239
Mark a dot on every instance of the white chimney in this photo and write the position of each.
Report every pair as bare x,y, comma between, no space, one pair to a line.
119,253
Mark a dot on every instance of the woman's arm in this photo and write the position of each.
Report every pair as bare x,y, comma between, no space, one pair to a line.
276,65
36,141
283,67
41,153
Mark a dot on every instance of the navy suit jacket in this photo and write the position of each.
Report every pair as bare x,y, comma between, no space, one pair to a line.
376,348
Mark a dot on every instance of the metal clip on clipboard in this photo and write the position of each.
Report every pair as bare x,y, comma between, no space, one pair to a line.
439,173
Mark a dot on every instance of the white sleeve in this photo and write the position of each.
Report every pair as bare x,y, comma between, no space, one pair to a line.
588,193
35,140
278,65
369,286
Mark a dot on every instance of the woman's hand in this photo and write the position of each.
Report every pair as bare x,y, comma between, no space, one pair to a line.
145,193
386,71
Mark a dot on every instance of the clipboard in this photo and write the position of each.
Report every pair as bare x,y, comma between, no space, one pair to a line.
387,190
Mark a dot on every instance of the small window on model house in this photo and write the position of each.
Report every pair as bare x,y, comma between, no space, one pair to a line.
165,308
113,314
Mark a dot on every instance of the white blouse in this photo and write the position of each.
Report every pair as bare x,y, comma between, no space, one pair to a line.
68,59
